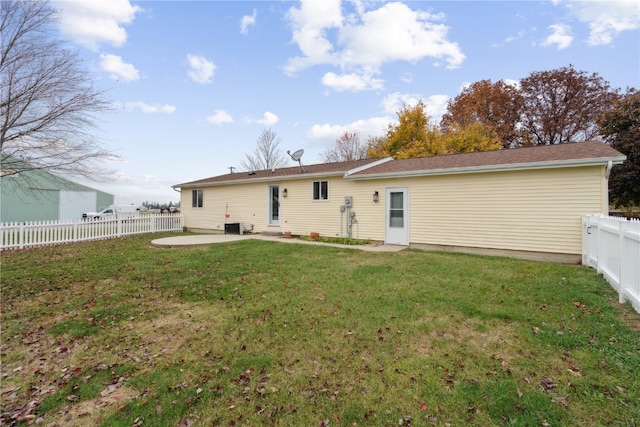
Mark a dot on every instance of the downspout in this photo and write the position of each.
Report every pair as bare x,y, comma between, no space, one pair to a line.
607,173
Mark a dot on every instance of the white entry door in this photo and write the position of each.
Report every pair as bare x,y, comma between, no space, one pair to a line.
274,204
396,216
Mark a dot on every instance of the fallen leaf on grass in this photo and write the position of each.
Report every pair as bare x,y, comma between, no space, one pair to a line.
574,373
547,383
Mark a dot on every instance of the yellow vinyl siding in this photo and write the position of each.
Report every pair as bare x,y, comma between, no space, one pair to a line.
244,203
303,215
523,210
534,210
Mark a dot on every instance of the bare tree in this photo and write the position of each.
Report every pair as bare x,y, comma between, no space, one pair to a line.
48,104
266,155
348,147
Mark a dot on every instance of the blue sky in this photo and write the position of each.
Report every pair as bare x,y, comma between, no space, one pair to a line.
194,83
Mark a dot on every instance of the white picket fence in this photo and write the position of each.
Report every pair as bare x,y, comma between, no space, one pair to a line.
41,233
612,246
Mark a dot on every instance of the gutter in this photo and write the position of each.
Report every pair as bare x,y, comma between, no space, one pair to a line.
258,180
493,168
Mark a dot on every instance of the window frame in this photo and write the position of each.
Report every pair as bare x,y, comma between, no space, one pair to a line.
197,198
317,185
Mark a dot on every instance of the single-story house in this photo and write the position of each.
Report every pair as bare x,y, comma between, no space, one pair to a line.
524,202
37,195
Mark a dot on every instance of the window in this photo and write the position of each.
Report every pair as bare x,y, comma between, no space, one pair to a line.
321,190
196,199
396,210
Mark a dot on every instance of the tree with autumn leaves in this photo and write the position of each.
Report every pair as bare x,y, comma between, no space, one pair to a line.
544,108
415,136
620,126
495,105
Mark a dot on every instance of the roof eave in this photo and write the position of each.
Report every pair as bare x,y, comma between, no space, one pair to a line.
263,179
495,168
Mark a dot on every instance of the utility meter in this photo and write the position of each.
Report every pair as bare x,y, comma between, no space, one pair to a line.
348,201
343,208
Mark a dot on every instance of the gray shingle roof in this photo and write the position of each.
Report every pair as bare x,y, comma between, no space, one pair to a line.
548,155
589,152
339,168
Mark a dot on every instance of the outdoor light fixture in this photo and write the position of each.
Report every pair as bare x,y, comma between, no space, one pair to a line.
376,197
284,193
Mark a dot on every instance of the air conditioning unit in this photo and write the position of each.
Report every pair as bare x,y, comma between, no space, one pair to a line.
234,228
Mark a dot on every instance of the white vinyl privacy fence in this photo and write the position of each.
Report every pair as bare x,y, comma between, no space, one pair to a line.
612,246
41,233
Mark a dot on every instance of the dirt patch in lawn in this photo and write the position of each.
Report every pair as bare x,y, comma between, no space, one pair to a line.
465,336
93,412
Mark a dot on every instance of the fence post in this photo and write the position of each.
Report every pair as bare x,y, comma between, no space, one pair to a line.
21,236
600,247
585,239
622,276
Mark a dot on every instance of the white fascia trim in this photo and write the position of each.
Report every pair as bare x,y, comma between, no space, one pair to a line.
367,166
495,168
266,179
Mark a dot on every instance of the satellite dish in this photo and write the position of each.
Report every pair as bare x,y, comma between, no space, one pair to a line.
296,156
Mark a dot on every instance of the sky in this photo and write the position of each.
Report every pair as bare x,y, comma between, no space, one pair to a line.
194,83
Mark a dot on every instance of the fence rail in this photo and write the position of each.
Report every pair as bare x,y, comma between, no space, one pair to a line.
20,235
612,246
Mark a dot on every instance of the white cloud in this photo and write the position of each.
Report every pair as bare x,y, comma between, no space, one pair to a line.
364,41
148,108
92,23
407,78
606,19
219,117
393,102
200,69
436,104
326,134
560,36
248,21
117,69
268,119
512,82
310,23
352,82
395,32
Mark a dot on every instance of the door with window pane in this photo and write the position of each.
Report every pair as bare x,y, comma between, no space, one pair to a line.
274,204
396,217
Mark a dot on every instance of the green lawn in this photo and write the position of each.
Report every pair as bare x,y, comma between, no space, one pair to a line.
118,333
